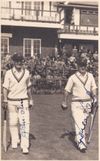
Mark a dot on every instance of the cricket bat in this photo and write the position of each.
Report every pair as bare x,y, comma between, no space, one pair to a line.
93,115
5,131
90,128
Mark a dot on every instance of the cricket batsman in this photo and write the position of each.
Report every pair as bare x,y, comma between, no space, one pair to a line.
17,98
83,88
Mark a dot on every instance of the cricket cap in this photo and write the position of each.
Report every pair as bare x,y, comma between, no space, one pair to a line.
17,57
82,63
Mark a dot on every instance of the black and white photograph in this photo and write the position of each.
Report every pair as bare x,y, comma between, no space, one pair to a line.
49,80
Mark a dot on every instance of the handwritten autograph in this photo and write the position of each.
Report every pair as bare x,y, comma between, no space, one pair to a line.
23,123
84,123
87,109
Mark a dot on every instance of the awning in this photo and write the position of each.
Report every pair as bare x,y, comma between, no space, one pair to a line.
79,4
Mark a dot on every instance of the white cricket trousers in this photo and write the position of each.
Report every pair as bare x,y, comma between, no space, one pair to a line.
19,113
80,113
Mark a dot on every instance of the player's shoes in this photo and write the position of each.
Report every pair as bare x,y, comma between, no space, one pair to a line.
14,145
25,150
83,150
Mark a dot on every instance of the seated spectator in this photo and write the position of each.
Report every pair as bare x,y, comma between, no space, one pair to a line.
72,63
37,76
8,63
40,68
83,55
7,57
72,59
95,56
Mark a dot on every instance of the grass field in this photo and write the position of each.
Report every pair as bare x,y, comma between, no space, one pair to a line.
48,124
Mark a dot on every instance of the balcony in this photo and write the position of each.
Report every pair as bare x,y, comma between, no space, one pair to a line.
18,14
79,30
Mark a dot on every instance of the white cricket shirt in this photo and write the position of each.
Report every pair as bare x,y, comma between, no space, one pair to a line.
80,86
17,83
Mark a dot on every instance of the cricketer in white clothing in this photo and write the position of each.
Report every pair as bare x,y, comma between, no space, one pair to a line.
18,99
82,86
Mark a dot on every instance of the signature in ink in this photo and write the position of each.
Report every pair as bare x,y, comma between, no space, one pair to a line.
84,123
82,131
22,130
87,108
23,123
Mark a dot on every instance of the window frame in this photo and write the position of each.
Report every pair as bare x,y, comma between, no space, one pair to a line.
2,52
27,7
37,5
32,46
88,12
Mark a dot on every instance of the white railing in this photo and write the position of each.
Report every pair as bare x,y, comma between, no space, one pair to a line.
30,15
77,29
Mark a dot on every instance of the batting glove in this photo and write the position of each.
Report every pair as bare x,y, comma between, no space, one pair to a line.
94,104
64,106
95,101
5,104
31,103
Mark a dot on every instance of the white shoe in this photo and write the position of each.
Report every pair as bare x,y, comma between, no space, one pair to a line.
25,150
14,146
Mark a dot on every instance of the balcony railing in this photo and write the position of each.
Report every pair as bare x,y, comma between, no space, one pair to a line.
29,15
76,29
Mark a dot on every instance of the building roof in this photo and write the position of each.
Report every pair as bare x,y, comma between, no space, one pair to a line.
88,2
80,3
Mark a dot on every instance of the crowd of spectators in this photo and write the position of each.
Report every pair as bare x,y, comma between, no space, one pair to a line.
50,74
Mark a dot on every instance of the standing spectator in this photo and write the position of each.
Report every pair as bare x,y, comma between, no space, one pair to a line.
18,99
82,86
75,51
95,56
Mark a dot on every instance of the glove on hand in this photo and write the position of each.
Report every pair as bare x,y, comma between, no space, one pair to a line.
95,101
5,105
31,103
94,104
64,106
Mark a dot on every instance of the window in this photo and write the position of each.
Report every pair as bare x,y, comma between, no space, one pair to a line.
6,9
53,6
4,46
37,5
31,47
27,6
89,12
89,18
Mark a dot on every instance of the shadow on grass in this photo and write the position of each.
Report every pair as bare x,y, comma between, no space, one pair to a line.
31,137
71,137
